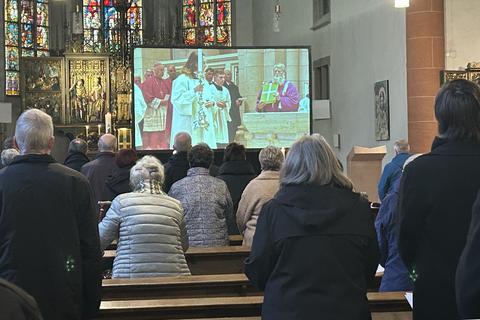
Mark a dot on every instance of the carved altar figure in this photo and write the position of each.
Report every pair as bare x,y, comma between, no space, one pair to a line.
79,101
97,101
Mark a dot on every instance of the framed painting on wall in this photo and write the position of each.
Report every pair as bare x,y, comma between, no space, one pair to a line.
87,88
382,111
43,82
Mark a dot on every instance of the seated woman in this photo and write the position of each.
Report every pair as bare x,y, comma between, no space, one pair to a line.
259,191
314,249
149,225
205,199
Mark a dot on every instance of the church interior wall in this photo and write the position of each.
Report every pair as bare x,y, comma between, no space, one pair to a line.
462,33
366,43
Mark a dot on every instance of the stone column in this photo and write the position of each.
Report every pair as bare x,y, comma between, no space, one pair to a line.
293,67
251,75
303,72
425,60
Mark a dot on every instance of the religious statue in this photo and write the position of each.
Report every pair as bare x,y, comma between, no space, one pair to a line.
97,106
79,101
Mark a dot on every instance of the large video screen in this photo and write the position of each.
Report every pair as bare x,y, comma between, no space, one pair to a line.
253,96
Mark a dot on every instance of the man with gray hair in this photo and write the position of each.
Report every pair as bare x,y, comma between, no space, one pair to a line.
177,166
48,227
77,154
393,170
98,170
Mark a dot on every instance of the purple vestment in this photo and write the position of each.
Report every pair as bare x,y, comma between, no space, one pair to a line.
289,99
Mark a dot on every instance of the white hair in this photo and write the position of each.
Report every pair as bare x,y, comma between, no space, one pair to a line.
401,146
33,131
148,170
8,155
271,158
107,143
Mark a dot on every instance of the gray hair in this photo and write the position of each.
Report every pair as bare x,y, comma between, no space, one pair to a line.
107,143
280,66
8,155
182,142
78,145
147,170
401,146
311,161
33,131
271,158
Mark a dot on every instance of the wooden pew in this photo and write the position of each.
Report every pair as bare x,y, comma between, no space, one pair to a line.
221,285
222,307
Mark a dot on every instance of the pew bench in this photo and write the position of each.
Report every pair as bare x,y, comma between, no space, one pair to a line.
223,307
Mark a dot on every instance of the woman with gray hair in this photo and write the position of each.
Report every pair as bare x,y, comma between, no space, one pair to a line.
149,225
314,249
259,191
8,155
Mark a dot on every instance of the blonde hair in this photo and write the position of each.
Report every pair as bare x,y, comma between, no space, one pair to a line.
311,161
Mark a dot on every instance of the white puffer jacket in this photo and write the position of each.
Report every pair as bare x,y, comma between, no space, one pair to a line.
151,235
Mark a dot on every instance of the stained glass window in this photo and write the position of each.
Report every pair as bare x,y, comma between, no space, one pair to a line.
26,35
103,27
207,22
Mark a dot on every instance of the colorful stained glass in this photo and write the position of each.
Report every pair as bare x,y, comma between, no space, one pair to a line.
28,53
134,15
27,36
43,53
188,2
189,36
189,19
12,83
11,34
42,38
12,60
11,10
206,15
223,35
136,38
204,1
27,11
42,14
111,17
223,13
109,2
207,36
92,40
92,15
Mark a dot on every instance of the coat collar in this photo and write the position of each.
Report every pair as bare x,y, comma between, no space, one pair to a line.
33,158
269,175
105,155
240,167
197,171
441,146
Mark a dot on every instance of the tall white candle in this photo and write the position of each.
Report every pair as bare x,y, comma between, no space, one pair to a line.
86,131
99,126
283,152
108,123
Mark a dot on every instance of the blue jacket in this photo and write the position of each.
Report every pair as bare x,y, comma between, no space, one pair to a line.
395,277
391,173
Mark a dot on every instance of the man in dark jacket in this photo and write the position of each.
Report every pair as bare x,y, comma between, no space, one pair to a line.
393,169
237,172
236,102
98,170
436,195
77,154
48,227
16,304
177,166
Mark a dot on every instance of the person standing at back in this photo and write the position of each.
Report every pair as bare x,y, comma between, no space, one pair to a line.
98,170
393,170
77,154
237,172
177,166
436,195
48,227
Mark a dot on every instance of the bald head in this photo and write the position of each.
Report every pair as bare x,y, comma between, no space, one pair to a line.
182,142
107,143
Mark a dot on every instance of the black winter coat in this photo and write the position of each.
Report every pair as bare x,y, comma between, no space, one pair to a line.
16,304
437,192
175,169
119,181
76,160
236,174
49,243
313,253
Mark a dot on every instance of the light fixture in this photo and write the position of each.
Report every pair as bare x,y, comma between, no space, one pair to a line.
402,3
276,16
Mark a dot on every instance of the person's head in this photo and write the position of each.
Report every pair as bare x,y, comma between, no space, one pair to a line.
148,171
107,143
148,73
125,158
228,75
401,146
192,64
158,70
209,74
410,159
78,145
80,82
219,77
34,132
8,155
279,73
99,80
271,158
182,142
172,71
200,156
234,152
457,110
311,161
8,143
